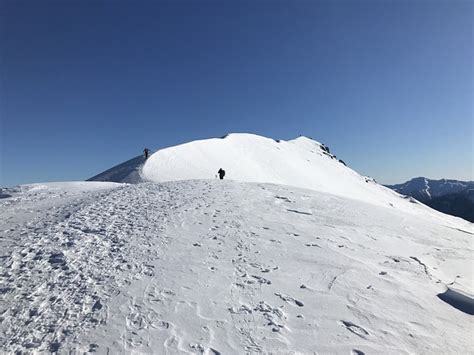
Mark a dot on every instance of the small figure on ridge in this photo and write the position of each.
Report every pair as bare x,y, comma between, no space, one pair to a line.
221,173
146,151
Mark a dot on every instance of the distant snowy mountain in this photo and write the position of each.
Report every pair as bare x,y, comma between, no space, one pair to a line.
448,196
424,189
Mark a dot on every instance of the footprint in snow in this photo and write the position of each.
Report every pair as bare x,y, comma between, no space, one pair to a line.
161,325
313,245
93,348
262,280
290,299
300,212
356,329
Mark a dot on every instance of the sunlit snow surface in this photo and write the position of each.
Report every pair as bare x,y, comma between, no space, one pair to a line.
209,266
301,162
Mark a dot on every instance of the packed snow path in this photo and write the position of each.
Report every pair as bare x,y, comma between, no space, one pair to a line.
224,267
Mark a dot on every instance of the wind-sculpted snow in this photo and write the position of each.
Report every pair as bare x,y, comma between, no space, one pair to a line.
221,267
129,172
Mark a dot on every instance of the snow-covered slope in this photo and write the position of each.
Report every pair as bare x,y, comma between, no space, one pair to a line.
302,162
247,157
224,267
129,172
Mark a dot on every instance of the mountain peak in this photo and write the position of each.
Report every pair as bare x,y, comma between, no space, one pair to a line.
302,162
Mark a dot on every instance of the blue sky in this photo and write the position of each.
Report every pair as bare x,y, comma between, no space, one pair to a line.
388,85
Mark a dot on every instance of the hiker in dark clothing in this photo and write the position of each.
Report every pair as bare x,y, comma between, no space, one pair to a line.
146,151
221,173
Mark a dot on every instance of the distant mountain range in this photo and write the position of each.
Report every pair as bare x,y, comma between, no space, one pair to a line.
448,196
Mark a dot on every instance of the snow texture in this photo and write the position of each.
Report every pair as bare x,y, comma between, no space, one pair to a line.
227,267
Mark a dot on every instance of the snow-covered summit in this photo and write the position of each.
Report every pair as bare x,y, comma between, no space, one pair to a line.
245,157
301,162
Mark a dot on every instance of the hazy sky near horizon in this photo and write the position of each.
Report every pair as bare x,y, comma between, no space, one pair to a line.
84,85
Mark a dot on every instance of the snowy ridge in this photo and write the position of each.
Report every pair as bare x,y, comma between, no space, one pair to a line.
302,162
129,172
209,267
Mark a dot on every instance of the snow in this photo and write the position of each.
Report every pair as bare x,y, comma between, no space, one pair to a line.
129,172
251,158
427,188
229,267
292,253
302,162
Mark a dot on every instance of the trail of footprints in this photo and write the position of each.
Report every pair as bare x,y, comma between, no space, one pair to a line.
143,319
75,291
250,277
350,326
273,317
80,263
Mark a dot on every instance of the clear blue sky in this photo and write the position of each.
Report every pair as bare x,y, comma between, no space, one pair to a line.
388,85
